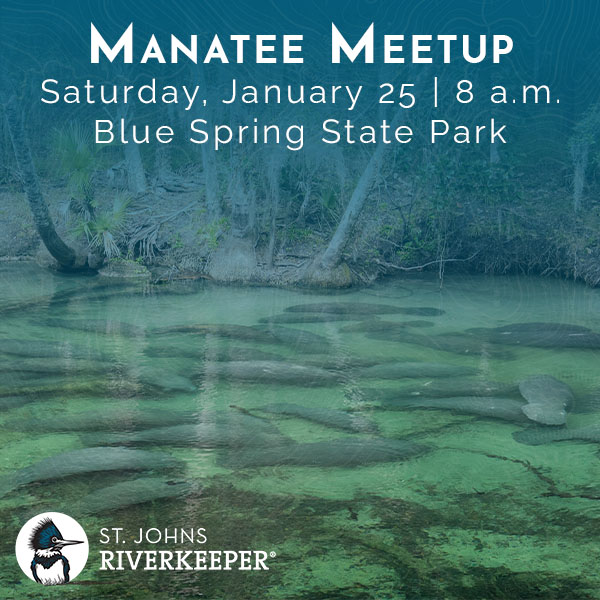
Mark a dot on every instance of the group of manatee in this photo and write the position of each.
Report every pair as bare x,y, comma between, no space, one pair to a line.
538,399
249,438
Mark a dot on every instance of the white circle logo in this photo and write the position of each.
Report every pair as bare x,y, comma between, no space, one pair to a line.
52,548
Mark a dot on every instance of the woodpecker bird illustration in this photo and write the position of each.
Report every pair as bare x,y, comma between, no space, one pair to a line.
49,566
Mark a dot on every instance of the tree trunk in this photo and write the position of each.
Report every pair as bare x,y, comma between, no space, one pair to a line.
332,255
326,269
161,164
136,175
274,166
209,158
579,153
235,258
211,184
64,255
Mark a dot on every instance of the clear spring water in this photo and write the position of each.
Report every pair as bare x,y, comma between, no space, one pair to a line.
478,516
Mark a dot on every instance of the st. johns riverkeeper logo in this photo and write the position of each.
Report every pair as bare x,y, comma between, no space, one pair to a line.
52,548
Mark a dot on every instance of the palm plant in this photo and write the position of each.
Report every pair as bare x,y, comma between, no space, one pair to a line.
105,229
77,157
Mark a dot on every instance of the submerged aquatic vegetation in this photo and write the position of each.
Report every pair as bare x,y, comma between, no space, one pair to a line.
105,228
342,452
130,493
87,460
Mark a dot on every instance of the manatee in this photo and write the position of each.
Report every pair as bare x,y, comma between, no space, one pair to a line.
457,343
54,366
399,370
507,409
87,460
393,334
132,295
363,308
97,292
306,318
376,325
588,403
238,332
146,418
109,419
537,326
238,353
129,493
447,342
21,380
441,388
57,387
65,385
259,371
47,349
482,333
165,380
200,435
546,435
107,326
342,363
422,311
80,292
344,308
342,452
373,325
304,341
419,324
541,335
207,428
547,399
338,419
235,353
9,402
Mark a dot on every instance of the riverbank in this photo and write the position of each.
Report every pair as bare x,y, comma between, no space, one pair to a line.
168,232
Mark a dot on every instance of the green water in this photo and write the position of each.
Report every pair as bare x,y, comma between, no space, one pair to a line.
476,516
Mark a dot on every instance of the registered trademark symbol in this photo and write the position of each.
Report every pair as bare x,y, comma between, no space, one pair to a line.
272,554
